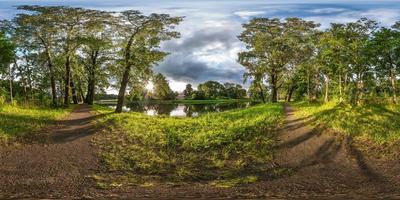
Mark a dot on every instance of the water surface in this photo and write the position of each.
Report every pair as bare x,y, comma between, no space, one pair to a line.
182,109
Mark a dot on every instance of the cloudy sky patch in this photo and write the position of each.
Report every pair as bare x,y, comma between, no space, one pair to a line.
208,47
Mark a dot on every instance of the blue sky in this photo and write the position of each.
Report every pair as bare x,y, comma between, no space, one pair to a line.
208,47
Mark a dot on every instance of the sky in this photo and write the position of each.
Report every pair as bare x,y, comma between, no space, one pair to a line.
208,47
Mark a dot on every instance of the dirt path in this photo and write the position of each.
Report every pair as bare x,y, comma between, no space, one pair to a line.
321,164
57,167
326,165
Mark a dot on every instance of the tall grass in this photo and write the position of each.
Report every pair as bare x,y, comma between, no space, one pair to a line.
210,147
379,123
18,121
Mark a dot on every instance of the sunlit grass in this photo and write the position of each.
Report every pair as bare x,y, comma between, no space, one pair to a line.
215,146
18,121
379,123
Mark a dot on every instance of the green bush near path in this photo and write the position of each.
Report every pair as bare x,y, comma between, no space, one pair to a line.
377,123
220,148
18,121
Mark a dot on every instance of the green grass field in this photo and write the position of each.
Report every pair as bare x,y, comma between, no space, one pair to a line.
18,121
377,123
224,148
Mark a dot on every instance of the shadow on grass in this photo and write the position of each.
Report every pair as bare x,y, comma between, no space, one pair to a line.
29,129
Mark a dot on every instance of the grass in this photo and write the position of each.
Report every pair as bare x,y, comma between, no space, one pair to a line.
377,123
182,101
18,121
226,148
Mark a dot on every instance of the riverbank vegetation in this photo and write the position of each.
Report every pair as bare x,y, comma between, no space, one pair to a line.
220,148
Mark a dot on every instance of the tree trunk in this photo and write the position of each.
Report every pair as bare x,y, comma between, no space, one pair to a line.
51,71
125,77
52,82
274,89
92,80
326,99
67,81
308,86
340,87
393,80
261,92
290,93
393,83
73,89
11,82
122,89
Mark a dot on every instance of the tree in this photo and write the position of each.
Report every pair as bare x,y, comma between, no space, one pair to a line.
273,48
38,32
211,89
161,88
6,57
188,91
385,46
96,51
234,91
141,36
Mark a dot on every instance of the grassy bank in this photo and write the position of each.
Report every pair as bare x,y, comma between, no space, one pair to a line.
377,123
182,101
19,121
219,148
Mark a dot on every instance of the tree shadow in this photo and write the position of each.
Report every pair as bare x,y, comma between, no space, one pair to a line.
298,140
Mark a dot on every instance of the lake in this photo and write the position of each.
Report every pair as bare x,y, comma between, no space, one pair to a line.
182,109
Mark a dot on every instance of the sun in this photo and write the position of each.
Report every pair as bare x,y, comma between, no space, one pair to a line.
150,86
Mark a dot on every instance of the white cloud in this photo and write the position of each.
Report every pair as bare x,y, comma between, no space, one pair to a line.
178,86
327,10
386,17
246,14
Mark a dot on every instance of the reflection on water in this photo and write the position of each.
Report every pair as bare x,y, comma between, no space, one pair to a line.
182,110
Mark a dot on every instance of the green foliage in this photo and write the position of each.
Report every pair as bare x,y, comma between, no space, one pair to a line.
6,52
379,123
209,147
19,121
214,90
274,48
161,88
188,92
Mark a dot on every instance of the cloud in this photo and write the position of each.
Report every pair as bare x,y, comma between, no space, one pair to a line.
191,70
386,17
327,10
247,14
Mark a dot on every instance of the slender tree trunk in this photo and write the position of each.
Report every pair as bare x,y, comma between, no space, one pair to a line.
11,82
125,77
52,81
73,89
326,99
122,89
261,92
274,89
291,90
340,87
51,72
67,81
393,80
92,79
308,86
